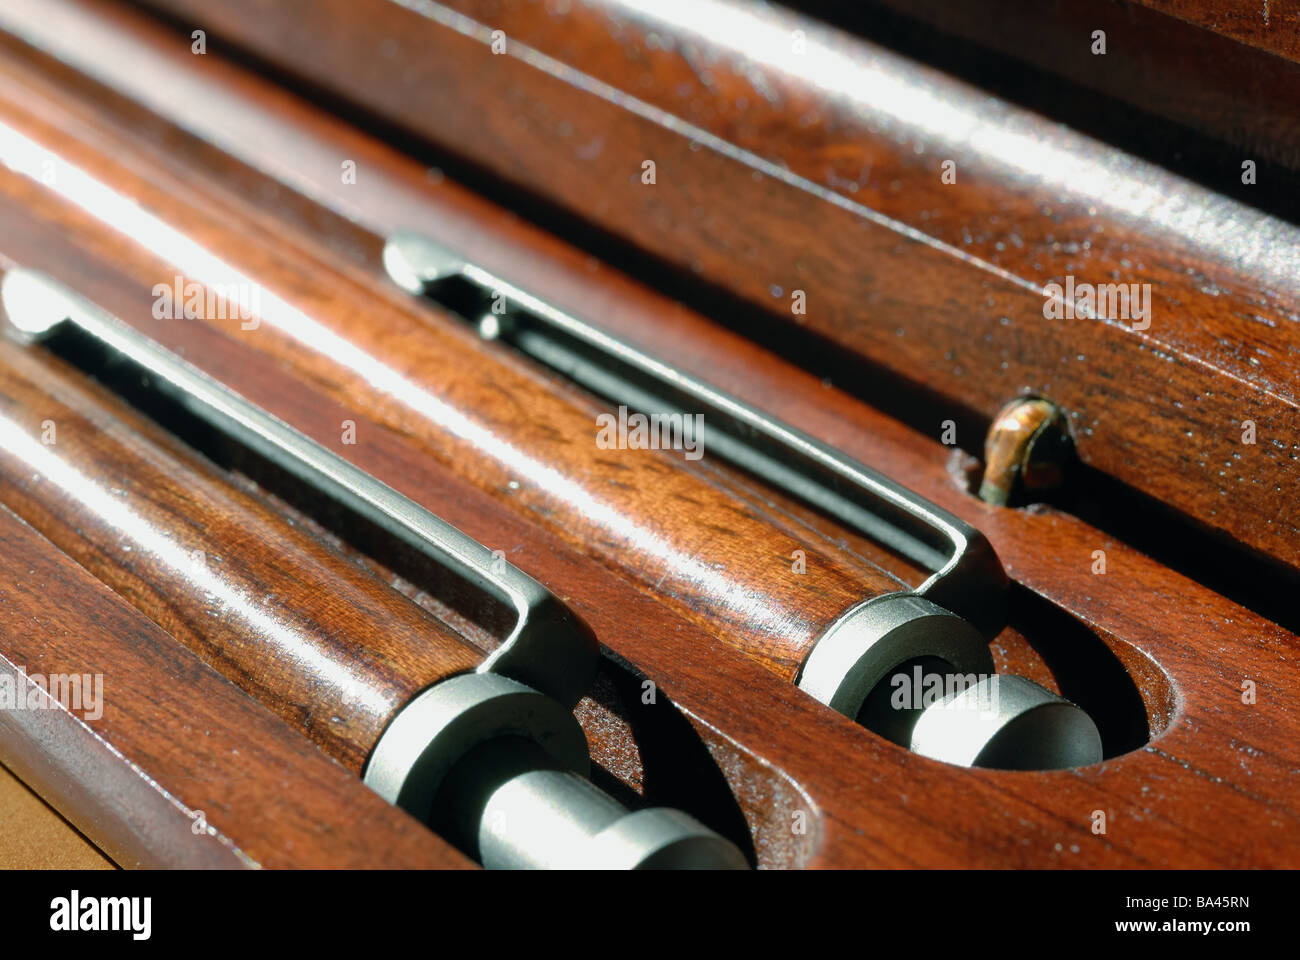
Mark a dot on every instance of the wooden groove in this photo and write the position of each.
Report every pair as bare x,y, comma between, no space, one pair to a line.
1163,410
1219,778
181,768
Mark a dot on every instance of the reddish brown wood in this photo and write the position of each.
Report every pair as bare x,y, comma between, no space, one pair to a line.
181,769
1272,26
267,605
1217,786
1226,70
531,443
841,197
676,773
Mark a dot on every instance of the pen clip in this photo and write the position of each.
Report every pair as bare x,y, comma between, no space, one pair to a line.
967,577
548,648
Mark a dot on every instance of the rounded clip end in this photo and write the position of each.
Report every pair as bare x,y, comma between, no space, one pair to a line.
32,302
413,261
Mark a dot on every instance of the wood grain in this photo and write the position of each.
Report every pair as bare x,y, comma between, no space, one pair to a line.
1216,786
530,440
1224,71
327,646
768,182
1274,26
181,769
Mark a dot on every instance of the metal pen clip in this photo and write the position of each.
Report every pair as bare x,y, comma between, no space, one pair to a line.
548,648
967,579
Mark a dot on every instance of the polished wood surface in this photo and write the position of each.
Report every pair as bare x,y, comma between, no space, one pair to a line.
822,188
1225,73
1195,774
262,602
528,440
1274,27
181,769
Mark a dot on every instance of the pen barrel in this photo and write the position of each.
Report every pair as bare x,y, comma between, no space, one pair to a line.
547,453
542,449
326,644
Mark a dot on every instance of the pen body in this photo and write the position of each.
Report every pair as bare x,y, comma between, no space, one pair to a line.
328,646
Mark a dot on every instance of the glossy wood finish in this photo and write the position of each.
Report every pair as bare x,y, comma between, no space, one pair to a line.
326,645
1217,785
182,769
770,182
530,441
1274,26
1228,71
